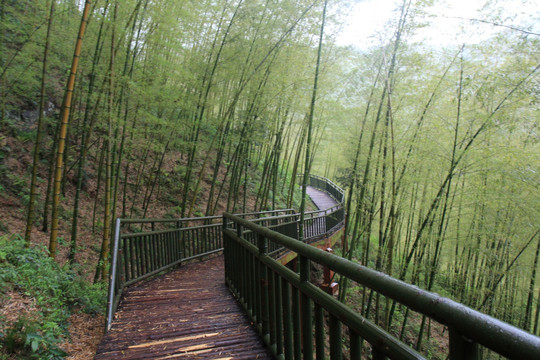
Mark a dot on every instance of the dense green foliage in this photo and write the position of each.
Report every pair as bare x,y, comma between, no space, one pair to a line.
189,108
55,293
443,166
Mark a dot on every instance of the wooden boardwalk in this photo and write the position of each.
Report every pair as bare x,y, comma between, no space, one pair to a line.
188,313
321,199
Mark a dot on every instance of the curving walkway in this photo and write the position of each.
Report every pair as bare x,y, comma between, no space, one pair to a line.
321,199
187,313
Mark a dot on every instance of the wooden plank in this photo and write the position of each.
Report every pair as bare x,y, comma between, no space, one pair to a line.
321,199
187,313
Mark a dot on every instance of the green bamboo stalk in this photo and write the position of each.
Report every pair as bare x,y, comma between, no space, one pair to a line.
63,130
39,135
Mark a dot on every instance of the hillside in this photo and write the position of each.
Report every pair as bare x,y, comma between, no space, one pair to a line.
171,109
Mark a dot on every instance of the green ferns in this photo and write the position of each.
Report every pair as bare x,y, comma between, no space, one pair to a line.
56,292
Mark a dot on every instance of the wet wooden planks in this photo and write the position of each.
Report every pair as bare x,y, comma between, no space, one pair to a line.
185,314
321,199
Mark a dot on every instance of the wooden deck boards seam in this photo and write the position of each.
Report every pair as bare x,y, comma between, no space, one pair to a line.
154,322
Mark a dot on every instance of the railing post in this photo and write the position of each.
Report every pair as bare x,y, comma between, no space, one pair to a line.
262,244
239,230
334,330
319,332
288,337
179,239
462,348
306,309
112,281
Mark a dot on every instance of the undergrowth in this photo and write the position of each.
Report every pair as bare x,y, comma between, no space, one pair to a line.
55,292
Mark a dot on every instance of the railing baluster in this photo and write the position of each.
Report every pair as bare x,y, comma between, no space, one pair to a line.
335,338
125,260
174,243
170,246
272,307
263,293
356,347
257,289
319,332
132,259
166,246
154,254
157,242
288,337
146,253
297,330
279,314
461,347
138,256
249,282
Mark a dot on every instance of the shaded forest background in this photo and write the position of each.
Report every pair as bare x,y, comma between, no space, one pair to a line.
191,108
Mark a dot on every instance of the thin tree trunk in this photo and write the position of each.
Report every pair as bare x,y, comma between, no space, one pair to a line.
33,186
2,64
309,128
63,130
50,180
98,186
528,308
86,133
103,263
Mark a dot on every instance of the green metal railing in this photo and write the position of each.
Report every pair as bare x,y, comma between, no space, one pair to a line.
140,255
328,186
297,320
143,248
318,224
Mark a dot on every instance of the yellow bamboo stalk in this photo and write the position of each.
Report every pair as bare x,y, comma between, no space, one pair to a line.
53,242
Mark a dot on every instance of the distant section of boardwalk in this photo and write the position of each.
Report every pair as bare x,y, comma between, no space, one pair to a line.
188,313
321,199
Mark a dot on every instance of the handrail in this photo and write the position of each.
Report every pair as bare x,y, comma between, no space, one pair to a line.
467,327
175,220
327,186
138,254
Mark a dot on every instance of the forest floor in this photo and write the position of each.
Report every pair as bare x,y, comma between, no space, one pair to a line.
85,330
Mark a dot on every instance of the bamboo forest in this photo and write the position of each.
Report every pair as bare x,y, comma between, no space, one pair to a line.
125,119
